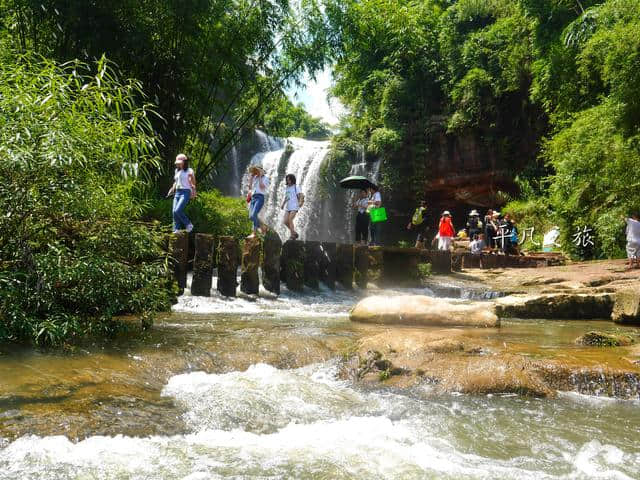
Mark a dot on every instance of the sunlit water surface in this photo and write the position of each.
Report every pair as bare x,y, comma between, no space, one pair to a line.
248,389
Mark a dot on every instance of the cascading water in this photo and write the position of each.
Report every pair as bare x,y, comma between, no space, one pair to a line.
327,213
235,172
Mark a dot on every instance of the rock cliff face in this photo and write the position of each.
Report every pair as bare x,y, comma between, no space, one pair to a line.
458,172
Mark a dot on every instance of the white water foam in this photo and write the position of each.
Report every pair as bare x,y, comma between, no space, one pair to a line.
269,423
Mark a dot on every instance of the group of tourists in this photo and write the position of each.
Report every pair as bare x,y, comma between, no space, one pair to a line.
258,187
494,231
367,231
184,189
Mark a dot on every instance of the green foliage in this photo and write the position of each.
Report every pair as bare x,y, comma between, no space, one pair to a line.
210,212
596,179
424,270
75,143
211,66
337,164
503,71
284,119
384,141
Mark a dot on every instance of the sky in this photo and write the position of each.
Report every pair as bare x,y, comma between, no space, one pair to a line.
314,98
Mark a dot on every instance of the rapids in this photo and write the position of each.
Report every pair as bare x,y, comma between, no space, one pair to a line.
249,389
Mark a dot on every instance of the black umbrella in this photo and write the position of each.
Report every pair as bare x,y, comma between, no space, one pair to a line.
356,182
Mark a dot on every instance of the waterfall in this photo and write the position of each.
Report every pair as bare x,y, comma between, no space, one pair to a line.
366,169
302,158
326,214
235,172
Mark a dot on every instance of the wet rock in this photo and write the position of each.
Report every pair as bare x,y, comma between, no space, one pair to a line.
271,250
328,264
422,310
312,258
344,265
558,306
626,308
602,339
228,259
249,279
203,264
179,251
361,263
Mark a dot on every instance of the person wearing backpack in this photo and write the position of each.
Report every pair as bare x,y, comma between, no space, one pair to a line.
293,200
474,225
418,223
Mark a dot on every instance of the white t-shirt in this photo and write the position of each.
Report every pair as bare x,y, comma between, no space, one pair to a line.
549,239
256,185
181,177
633,230
362,205
476,247
292,198
377,197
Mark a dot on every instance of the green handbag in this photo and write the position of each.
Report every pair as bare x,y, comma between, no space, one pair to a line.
378,215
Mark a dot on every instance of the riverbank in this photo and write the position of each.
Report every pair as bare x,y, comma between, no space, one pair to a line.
569,342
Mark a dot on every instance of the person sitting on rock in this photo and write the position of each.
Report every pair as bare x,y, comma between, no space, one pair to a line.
477,244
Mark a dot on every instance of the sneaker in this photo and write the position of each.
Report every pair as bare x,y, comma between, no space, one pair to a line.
189,227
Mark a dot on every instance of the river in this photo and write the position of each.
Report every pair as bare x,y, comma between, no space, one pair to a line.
244,389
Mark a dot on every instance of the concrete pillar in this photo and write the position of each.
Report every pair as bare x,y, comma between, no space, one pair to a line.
400,266
249,278
440,261
227,266
375,264
344,265
312,256
361,263
456,262
179,251
203,264
294,265
328,264
271,250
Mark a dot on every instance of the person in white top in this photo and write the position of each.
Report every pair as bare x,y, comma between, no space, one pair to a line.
633,240
362,217
291,203
258,188
477,244
375,201
184,188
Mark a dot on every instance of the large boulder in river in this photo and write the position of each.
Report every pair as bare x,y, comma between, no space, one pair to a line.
570,306
422,310
626,308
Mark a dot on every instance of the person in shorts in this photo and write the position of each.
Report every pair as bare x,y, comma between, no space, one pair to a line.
291,204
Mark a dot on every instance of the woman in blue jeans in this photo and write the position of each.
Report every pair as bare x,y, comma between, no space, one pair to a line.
258,188
184,187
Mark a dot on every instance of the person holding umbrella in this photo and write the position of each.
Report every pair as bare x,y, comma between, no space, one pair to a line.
362,217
